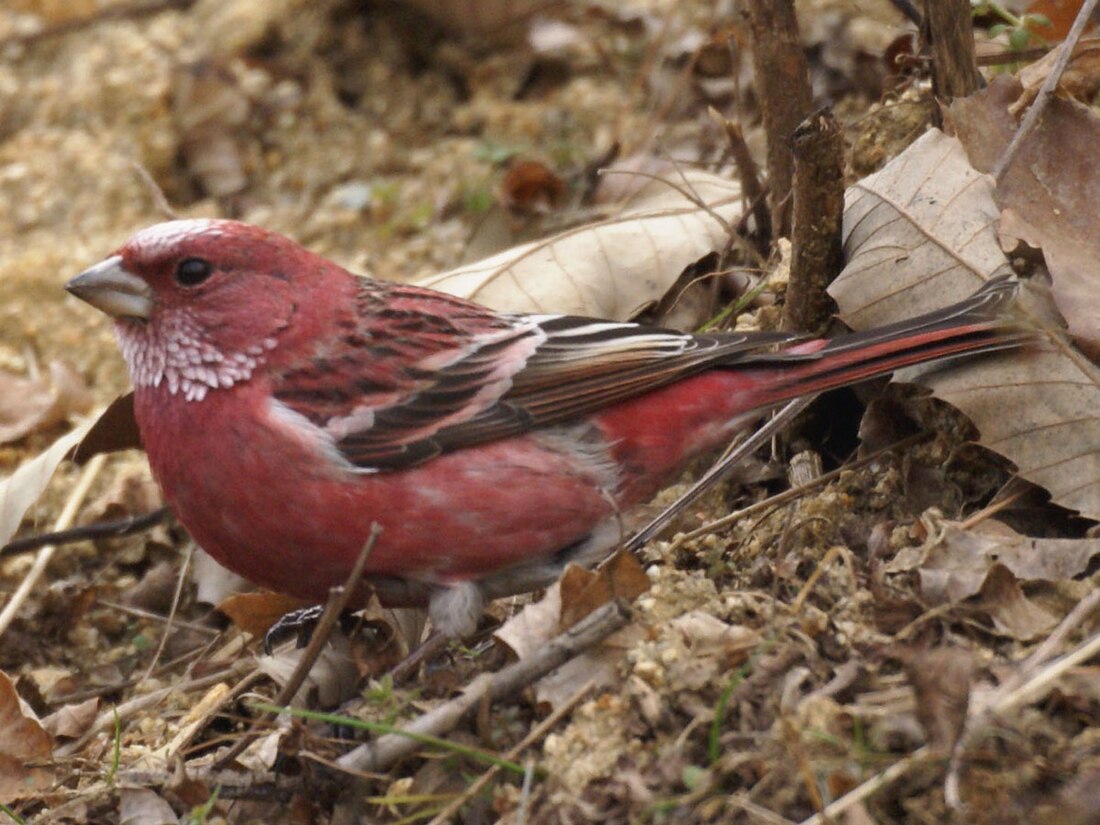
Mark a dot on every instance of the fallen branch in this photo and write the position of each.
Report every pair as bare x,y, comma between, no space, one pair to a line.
381,754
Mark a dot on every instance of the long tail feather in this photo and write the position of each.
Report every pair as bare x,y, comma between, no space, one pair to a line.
980,323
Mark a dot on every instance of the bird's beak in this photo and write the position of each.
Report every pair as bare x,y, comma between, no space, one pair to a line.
109,287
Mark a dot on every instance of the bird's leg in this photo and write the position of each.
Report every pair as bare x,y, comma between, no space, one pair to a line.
427,650
454,610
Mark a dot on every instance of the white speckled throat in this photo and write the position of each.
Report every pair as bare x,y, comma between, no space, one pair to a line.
176,352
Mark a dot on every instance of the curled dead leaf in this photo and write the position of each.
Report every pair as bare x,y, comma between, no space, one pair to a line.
22,741
72,721
582,591
255,613
531,186
23,487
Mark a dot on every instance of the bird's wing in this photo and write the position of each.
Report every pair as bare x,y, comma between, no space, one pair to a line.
419,373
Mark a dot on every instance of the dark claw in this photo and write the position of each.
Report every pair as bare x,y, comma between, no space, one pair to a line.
300,623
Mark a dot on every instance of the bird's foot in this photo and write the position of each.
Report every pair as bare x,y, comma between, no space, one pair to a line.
300,623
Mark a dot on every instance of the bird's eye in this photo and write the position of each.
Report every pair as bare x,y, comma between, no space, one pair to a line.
193,271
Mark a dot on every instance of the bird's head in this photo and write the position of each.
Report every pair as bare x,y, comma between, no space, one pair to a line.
200,304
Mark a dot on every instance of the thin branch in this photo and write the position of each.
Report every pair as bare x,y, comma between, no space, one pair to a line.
115,528
1031,119
718,471
181,580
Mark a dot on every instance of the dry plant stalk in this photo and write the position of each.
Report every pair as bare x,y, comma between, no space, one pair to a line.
782,81
816,251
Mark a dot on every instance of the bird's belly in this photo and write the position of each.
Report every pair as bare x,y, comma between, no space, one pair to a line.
273,511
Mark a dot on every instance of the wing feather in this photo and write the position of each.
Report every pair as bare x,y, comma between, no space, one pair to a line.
419,385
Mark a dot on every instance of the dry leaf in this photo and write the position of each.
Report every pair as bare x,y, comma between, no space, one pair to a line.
52,683
29,405
582,590
23,487
114,429
598,665
918,235
991,564
611,268
255,613
1012,612
1080,80
531,186
332,679
922,233
955,566
141,806
1049,194
22,740
531,628
71,721
941,680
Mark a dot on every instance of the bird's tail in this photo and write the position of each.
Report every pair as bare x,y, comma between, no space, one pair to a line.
980,323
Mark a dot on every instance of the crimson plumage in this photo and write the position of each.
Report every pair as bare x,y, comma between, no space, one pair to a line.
287,405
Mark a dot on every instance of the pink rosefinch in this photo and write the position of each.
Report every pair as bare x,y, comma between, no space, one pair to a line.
287,405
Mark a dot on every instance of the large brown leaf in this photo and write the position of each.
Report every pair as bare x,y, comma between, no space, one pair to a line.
612,268
922,233
1049,194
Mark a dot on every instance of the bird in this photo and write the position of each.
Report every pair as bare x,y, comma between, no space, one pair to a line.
287,406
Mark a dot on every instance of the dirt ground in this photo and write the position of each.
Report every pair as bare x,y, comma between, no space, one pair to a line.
772,665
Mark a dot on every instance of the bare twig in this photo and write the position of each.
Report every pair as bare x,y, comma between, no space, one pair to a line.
747,172
180,581
160,200
1012,56
949,29
138,612
337,602
386,750
338,599
115,528
718,471
1031,119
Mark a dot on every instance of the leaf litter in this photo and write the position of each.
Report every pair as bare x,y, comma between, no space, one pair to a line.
766,668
